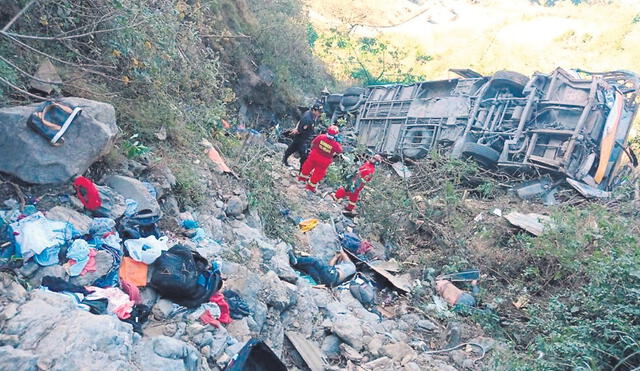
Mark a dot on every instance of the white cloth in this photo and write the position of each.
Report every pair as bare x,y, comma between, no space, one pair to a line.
36,233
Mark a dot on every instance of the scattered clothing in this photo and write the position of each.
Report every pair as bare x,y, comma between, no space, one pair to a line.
307,225
190,224
119,303
131,290
98,306
91,264
237,306
208,313
320,271
78,252
111,278
139,315
133,272
147,249
100,226
131,207
35,234
225,313
59,285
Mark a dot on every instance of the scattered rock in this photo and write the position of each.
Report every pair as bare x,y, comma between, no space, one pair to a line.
17,359
331,346
235,206
276,293
32,159
165,353
322,241
347,328
79,221
376,344
426,325
350,353
239,329
133,189
162,309
382,363
397,351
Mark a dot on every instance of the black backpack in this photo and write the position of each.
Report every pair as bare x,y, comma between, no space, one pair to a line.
182,276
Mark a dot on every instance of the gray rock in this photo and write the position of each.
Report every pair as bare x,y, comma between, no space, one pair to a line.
53,329
235,348
162,309
323,242
32,159
12,289
149,296
245,233
29,268
104,262
376,344
397,351
133,189
219,204
17,359
235,206
426,325
276,294
170,206
239,329
279,263
165,353
221,340
459,357
79,221
347,328
331,346
350,353
51,270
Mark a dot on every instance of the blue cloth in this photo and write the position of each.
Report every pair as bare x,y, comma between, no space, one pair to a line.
110,279
100,226
132,206
79,251
48,256
190,224
37,235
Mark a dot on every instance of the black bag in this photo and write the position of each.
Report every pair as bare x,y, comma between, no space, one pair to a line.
51,120
255,356
181,275
139,225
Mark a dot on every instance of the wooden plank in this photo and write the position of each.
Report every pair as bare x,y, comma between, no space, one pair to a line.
310,353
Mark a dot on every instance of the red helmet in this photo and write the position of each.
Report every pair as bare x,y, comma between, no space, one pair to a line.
333,130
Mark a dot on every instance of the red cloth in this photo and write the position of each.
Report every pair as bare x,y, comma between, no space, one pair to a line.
225,313
91,264
131,290
207,318
364,247
326,147
87,192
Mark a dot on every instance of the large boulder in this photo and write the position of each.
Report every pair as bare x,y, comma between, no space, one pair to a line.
323,241
31,158
133,189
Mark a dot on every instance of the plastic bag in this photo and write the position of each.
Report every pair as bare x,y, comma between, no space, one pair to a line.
147,249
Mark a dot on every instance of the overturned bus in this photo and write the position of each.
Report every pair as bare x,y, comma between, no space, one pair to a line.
573,123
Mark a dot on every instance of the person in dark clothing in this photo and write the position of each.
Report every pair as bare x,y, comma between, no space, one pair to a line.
302,135
331,274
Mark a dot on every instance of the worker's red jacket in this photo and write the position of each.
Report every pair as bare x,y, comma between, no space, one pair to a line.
364,175
324,146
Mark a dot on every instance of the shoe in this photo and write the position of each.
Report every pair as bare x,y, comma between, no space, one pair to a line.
349,214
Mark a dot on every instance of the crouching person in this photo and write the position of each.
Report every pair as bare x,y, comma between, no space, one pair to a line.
332,274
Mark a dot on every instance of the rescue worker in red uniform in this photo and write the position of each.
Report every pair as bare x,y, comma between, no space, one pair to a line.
360,179
323,148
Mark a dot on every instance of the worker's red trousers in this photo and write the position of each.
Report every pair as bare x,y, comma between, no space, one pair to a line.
314,169
353,196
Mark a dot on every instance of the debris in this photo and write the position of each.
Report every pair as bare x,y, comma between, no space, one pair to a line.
521,301
87,193
588,191
161,134
310,353
402,170
389,265
460,276
308,224
79,221
147,249
401,283
497,212
533,223
133,271
256,355
350,353
215,157
47,77
36,235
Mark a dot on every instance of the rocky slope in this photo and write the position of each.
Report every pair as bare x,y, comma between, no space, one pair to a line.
45,330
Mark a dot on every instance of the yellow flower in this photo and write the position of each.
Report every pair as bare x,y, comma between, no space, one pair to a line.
44,21
116,53
148,44
126,80
135,62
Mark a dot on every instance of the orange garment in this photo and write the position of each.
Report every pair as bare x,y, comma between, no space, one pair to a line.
448,291
133,271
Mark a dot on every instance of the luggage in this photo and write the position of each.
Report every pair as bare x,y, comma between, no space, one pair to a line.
182,276
51,120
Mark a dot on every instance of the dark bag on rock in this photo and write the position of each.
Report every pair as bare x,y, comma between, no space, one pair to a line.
255,356
51,120
182,276
139,225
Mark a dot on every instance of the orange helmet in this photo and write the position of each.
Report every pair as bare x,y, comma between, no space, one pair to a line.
333,130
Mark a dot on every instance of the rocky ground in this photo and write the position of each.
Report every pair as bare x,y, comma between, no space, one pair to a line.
44,330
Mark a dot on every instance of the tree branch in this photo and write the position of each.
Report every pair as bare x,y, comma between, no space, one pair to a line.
20,13
22,90
60,38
